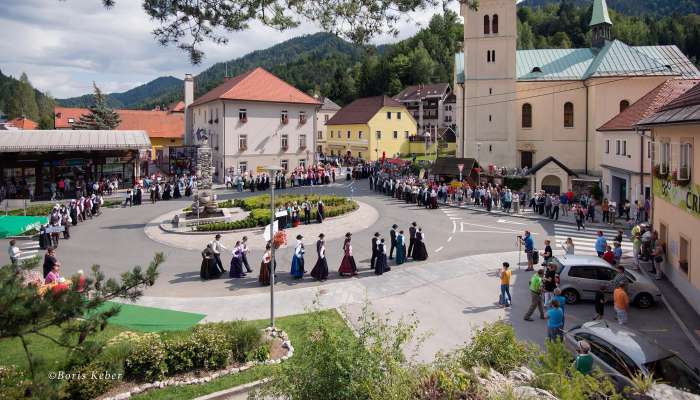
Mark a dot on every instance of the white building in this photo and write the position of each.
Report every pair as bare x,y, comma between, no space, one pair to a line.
327,111
253,120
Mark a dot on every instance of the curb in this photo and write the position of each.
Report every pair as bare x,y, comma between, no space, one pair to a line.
223,394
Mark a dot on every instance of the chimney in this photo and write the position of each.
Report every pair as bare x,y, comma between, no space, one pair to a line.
189,99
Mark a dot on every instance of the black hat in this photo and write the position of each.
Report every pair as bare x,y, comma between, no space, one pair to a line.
394,226
299,237
321,235
348,234
217,236
414,223
376,234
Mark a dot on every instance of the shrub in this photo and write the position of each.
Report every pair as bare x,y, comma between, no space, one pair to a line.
40,210
13,383
203,348
94,380
496,346
242,338
146,360
260,353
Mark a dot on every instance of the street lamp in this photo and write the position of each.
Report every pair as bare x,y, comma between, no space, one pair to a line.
272,171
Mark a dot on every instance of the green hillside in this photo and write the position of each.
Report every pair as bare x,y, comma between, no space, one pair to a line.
633,7
19,98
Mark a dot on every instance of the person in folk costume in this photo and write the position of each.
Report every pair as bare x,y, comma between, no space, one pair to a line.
306,206
400,248
320,270
66,222
176,189
73,211
392,238
419,251
208,269
411,239
266,266
347,266
236,269
244,253
381,266
320,211
375,250
298,259
188,189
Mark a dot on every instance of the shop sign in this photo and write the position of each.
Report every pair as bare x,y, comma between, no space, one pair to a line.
684,197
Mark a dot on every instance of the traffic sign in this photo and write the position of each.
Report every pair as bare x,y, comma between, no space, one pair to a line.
260,169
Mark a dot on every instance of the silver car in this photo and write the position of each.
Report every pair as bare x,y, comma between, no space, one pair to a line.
580,277
622,352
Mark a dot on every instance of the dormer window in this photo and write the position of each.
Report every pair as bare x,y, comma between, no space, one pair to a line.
536,70
285,117
71,120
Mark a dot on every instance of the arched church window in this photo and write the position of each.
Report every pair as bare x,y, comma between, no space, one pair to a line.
494,24
487,25
527,115
568,114
623,105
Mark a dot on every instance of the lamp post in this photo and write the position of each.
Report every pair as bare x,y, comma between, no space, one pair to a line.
478,152
427,138
272,171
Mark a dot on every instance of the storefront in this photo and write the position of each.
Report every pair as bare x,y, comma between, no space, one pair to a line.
30,161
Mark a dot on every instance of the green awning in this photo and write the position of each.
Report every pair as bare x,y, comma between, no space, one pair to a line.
16,225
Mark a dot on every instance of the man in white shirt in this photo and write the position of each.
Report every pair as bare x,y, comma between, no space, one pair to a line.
14,253
217,247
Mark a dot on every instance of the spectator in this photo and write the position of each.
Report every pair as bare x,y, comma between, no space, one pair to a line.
505,274
600,244
599,303
609,256
14,253
622,304
555,321
584,360
535,295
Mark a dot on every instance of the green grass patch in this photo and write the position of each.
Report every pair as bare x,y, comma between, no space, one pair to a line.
149,319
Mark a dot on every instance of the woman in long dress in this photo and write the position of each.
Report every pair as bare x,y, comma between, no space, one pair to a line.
176,190
298,259
400,248
347,266
320,211
236,269
419,251
380,266
265,267
208,269
320,270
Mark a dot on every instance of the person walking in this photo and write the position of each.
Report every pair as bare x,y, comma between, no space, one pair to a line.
375,250
580,218
266,266
622,303
298,259
14,252
599,303
348,266
400,248
535,288
555,318
244,253
505,274
216,248
236,267
529,250
380,265
600,244
392,236
320,270
411,239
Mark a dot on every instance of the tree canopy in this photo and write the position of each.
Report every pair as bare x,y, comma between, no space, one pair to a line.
101,116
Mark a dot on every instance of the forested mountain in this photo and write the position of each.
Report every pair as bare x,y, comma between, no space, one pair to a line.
18,98
633,7
138,97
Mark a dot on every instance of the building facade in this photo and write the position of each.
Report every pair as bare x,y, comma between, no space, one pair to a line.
327,111
369,129
675,129
518,107
426,103
254,120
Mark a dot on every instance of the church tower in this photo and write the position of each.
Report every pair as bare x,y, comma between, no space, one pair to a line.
601,24
490,40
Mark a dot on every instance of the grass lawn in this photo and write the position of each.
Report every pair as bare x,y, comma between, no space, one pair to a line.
297,329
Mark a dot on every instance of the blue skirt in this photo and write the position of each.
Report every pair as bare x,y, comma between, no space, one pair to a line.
297,267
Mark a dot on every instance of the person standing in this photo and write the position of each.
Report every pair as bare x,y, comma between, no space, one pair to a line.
535,288
375,250
392,236
266,266
600,244
529,250
216,248
568,247
307,211
504,274
555,208
420,253
320,270
622,303
580,218
298,259
657,257
555,318
550,282
400,248
244,253
380,265
547,253
411,239
599,303
49,261
636,248
236,268
347,266
14,252
584,360
562,304
320,211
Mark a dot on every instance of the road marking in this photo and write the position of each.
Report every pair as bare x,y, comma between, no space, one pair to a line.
454,226
449,239
503,221
508,233
489,227
455,218
439,249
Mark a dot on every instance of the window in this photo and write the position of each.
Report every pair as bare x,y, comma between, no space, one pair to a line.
398,115
216,120
348,134
242,142
623,105
302,117
320,135
490,91
527,115
488,56
493,55
487,25
568,114
284,142
396,134
302,163
302,141
379,135
242,167
326,117
686,161
665,157
359,135
331,134
607,146
610,355
490,118
319,149
71,120
684,259
285,117
583,272
406,134
359,155
624,147
284,164
617,147
388,115
649,149
494,24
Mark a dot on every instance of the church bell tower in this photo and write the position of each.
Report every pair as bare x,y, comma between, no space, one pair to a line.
601,24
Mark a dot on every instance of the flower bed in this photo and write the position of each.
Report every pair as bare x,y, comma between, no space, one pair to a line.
259,208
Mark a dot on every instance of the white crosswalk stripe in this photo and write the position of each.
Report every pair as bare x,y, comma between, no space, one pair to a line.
584,241
29,250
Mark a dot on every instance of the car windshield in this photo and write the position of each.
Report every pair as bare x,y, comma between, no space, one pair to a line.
556,262
674,372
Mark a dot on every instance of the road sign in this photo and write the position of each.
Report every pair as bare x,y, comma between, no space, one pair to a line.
267,231
460,167
260,169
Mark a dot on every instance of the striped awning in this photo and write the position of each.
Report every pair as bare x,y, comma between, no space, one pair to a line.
15,141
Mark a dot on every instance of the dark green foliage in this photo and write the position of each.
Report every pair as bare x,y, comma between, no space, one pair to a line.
206,347
18,98
515,183
633,7
91,386
496,346
101,116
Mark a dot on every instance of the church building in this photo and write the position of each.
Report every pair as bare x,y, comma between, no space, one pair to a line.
516,108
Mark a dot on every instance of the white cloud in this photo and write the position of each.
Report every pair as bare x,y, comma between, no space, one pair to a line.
65,45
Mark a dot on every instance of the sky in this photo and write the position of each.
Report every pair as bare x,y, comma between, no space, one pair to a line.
64,46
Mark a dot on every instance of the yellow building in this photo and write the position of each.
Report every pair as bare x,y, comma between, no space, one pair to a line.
370,128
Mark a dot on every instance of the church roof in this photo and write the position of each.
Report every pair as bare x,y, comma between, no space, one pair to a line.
600,13
615,58
548,160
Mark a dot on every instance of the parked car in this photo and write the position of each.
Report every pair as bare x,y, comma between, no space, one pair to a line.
580,277
622,352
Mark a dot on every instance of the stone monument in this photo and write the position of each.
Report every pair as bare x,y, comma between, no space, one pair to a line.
204,200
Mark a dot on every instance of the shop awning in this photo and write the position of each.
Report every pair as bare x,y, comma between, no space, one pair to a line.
71,140
11,225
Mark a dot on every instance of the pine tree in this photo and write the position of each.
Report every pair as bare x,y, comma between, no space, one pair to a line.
23,103
101,117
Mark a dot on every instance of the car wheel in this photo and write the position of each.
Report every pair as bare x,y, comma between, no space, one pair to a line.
644,300
571,296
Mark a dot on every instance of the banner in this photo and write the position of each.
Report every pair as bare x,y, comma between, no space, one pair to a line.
684,197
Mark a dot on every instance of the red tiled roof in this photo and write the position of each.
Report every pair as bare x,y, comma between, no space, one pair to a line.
689,98
656,99
158,124
257,85
178,106
362,110
23,123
